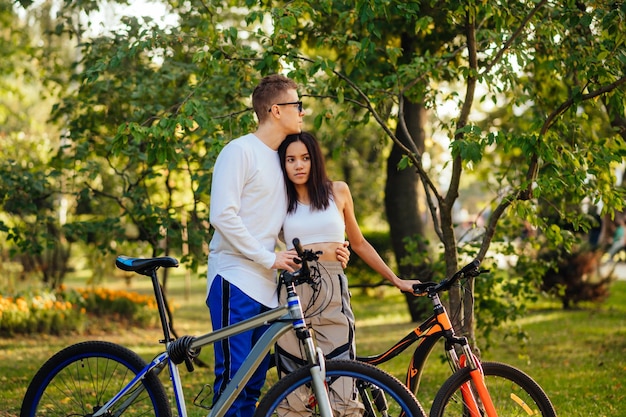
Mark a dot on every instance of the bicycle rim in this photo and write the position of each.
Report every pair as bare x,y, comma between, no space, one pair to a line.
80,379
355,389
514,394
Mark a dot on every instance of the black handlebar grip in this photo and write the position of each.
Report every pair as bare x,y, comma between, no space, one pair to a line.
303,260
471,267
298,246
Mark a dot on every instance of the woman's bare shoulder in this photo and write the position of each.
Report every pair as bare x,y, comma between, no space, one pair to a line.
341,192
340,187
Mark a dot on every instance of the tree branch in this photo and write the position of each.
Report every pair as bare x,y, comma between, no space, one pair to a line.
584,97
533,167
413,154
490,229
453,190
514,36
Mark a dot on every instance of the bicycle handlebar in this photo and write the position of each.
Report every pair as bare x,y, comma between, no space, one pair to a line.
470,270
304,257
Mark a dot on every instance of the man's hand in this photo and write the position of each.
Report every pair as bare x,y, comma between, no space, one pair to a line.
285,260
343,254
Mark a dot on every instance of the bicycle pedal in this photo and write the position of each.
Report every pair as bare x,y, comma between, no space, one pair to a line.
203,399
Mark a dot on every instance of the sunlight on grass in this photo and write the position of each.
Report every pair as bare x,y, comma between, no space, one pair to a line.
551,316
383,319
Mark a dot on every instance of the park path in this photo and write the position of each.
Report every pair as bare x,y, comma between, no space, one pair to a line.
619,271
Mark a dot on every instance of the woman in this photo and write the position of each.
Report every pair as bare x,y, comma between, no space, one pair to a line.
320,213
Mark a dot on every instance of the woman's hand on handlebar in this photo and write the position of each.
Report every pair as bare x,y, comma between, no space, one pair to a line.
286,260
406,285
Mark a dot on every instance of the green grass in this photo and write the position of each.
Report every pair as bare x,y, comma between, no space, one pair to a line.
576,355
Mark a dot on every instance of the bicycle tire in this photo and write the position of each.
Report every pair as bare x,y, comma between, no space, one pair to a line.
81,378
512,391
368,380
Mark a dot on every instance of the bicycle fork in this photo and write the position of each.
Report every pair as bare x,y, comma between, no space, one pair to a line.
314,355
468,360
477,385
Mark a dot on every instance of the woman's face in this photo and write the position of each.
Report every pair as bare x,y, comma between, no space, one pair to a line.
297,163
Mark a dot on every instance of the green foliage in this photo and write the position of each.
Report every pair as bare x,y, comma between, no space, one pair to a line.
25,195
536,92
501,298
359,273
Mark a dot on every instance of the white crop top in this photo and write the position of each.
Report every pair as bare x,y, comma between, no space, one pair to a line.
314,226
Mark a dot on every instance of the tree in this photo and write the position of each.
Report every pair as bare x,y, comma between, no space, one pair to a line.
540,62
153,106
30,189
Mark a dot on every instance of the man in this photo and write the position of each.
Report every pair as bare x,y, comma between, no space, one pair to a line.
248,207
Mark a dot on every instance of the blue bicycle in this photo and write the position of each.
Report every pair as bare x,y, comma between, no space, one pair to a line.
102,379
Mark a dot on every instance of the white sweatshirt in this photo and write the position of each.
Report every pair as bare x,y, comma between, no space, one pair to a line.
248,207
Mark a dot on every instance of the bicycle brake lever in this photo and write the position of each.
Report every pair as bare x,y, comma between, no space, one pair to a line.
422,288
476,272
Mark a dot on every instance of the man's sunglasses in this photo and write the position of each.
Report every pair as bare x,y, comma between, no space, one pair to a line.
299,103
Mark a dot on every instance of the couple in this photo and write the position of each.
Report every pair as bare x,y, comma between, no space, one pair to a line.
264,184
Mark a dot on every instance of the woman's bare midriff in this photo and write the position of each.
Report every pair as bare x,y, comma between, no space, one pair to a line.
328,249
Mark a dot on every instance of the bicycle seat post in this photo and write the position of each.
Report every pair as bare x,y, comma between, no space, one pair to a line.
158,294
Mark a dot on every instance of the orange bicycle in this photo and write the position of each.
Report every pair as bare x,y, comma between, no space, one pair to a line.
476,388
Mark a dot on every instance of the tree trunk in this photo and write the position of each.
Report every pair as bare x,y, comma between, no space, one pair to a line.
402,204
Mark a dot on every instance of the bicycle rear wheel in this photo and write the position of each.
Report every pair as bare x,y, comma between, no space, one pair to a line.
355,388
512,391
81,378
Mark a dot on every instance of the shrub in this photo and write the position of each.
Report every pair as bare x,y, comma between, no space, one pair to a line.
39,313
56,312
576,276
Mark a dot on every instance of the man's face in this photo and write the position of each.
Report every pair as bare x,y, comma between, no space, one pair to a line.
289,112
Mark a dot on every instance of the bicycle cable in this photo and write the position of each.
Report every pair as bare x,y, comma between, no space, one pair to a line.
321,291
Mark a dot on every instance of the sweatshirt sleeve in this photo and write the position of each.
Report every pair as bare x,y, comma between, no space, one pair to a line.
229,178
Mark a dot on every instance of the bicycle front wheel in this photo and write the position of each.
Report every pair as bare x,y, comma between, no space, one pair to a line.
512,392
355,389
80,379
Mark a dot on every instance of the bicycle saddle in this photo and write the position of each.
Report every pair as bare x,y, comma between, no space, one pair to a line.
142,265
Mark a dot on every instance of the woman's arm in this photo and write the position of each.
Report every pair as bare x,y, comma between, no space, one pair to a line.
358,243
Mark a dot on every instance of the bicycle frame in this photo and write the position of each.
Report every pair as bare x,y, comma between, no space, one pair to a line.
281,323
481,389
281,320
427,334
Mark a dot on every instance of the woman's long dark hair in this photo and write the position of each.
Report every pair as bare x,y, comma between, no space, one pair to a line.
319,186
